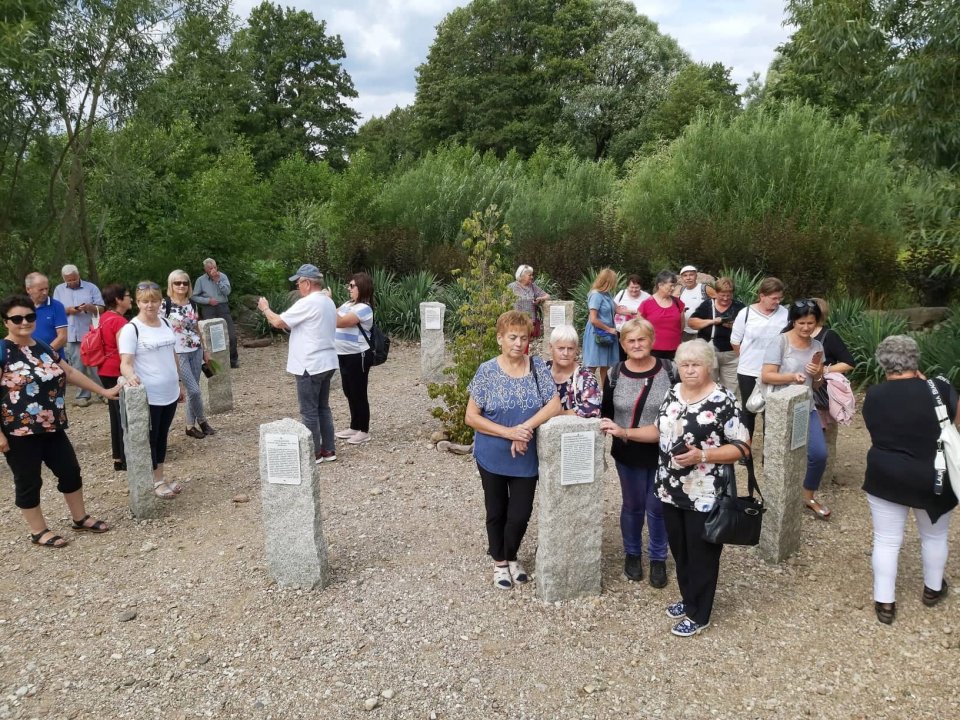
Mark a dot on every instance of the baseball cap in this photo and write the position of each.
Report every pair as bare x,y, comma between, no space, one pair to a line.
307,271
687,268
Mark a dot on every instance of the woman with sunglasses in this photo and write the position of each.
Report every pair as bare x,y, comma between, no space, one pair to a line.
354,321
117,300
797,359
147,358
33,421
191,355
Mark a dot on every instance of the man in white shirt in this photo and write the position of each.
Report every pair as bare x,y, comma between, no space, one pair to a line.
83,303
692,294
311,357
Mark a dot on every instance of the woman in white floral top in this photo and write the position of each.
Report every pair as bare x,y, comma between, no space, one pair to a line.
696,424
191,355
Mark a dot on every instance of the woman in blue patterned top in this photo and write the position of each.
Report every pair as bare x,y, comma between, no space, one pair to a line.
510,397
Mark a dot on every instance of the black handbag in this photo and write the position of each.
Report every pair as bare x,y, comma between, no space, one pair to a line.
736,520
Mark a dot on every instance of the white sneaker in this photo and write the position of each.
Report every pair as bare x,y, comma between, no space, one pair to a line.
518,573
359,438
346,434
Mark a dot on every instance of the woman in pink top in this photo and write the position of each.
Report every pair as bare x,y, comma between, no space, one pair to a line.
665,313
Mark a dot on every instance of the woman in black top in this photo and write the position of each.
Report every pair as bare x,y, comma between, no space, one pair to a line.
900,415
713,321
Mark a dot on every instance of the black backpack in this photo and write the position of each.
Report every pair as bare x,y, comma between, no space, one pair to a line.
378,342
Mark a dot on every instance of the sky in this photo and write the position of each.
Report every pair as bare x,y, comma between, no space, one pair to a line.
385,40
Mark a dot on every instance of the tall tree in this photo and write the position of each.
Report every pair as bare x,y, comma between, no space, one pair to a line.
298,87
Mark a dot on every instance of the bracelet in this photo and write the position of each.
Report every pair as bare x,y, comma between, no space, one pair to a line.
703,456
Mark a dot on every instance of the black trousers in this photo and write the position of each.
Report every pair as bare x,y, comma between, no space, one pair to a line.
698,561
161,417
26,456
354,374
509,504
116,427
747,383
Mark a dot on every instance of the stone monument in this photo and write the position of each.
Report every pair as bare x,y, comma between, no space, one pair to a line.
135,418
295,546
570,508
217,390
555,313
432,343
786,423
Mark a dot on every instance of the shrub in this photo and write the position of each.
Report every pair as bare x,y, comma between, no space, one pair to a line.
398,301
862,335
745,285
940,349
484,287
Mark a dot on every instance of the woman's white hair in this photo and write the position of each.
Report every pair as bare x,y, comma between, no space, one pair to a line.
696,351
522,270
563,333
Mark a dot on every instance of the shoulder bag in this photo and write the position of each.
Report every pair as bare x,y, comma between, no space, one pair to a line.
736,520
948,446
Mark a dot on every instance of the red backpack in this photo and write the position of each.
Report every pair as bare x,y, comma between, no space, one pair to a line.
93,353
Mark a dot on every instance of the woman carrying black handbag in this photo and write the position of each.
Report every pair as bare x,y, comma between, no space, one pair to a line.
696,425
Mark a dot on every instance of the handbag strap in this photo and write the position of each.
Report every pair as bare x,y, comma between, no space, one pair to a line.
746,457
943,418
533,371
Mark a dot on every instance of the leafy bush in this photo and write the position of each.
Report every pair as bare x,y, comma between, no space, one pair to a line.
279,302
862,335
940,349
745,285
398,301
484,286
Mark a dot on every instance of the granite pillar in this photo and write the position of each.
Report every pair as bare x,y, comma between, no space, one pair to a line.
432,342
786,423
295,545
217,391
570,508
135,418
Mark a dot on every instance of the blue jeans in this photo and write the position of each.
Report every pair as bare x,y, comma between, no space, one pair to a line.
639,500
816,453
71,352
313,395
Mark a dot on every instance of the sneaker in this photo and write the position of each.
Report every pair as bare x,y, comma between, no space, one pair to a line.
359,438
195,433
501,577
518,573
346,434
207,430
633,568
932,597
326,456
82,402
688,628
677,611
658,573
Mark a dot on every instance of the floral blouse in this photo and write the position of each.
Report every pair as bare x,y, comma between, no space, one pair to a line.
582,395
185,323
33,385
526,297
710,423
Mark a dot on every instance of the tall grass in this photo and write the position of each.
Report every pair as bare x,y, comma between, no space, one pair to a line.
940,349
398,301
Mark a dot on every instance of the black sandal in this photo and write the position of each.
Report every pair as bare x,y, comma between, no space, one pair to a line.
51,541
886,612
98,527
932,597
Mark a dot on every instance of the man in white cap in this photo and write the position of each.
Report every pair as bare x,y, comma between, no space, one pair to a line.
311,356
83,303
692,294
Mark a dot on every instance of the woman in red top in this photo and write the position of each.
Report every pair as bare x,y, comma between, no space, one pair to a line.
665,313
117,300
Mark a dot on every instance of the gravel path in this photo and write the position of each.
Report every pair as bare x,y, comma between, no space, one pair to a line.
177,618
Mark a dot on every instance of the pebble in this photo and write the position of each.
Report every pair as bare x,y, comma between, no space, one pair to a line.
241,498
376,491
148,546
127,616
388,694
370,703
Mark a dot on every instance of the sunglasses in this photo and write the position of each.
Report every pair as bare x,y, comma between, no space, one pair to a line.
148,286
181,282
802,304
20,319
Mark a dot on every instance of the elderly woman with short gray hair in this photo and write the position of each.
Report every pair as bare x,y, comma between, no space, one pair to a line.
900,415
577,386
529,296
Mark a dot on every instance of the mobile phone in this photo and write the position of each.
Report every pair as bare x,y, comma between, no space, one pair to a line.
817,357
678,448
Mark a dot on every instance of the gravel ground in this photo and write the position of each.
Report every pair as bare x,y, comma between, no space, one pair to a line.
177,618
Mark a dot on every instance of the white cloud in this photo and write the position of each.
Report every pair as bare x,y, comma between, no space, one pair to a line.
385,40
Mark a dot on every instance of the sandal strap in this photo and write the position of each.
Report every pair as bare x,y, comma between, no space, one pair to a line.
81,521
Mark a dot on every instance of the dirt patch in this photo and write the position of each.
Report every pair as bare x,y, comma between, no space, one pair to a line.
177,618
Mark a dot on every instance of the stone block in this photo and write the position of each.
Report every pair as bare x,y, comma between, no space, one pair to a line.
217,391
570,516
295,545
432,342
550,322
135,417
786,418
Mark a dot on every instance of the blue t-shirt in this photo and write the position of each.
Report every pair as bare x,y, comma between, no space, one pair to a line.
50,316
509,401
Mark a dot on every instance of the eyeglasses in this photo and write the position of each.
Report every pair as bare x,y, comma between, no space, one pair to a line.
351,285
20,319
148,286
181,282
802,304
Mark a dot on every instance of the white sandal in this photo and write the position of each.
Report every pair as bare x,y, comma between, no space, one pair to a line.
501,577
160,492
519,574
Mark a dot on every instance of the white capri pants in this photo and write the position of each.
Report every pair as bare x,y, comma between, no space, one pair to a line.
889,521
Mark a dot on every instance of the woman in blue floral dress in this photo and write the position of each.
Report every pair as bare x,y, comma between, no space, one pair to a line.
510,397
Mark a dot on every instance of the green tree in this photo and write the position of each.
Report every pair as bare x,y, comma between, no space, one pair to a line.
298,87
390,141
